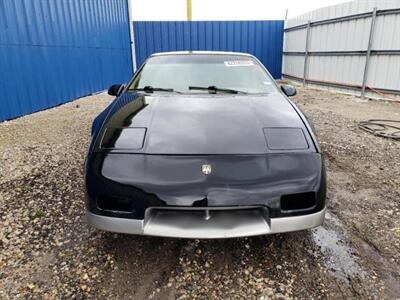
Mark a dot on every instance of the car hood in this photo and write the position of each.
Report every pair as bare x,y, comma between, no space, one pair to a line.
199,124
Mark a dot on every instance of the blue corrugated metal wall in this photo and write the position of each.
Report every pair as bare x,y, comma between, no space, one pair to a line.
264,39
54,51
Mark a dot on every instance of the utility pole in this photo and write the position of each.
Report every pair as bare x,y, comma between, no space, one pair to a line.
132,36
305,70
368,55
189,9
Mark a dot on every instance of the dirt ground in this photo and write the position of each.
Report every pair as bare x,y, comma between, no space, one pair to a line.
47,251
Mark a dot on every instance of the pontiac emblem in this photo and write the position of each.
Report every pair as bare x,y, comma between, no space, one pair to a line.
206,169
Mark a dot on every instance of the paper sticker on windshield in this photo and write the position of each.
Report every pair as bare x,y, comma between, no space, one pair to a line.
238,63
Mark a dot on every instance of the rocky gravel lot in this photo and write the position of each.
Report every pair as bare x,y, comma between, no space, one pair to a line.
47,251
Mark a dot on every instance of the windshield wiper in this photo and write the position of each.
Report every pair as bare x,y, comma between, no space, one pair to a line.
214,89
150,89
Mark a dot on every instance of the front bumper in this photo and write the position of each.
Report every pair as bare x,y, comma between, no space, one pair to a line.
205,223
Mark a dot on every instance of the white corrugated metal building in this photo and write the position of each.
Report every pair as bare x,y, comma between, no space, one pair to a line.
351,46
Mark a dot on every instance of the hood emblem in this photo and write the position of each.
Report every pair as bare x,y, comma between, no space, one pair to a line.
206,169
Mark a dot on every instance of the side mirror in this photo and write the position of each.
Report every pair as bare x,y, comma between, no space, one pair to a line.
289,90
115,89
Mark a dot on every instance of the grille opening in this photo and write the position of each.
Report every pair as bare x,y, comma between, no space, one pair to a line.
215,222
115,204
299,201
201,203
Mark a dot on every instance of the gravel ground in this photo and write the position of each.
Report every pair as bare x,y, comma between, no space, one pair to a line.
47,250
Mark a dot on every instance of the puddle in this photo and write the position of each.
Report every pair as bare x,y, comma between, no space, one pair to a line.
338,256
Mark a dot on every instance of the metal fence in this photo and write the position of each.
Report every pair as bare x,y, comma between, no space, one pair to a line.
353,46
55,51
264,39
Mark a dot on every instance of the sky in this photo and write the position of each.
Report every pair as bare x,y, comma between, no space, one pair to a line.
175,10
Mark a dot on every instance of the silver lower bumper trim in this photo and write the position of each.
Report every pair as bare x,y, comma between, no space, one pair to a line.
221,224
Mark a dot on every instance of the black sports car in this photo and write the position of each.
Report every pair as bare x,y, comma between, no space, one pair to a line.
203,145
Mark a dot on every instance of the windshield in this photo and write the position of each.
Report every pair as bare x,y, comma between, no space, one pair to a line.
179,72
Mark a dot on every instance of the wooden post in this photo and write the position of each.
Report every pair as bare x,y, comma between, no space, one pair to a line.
189,9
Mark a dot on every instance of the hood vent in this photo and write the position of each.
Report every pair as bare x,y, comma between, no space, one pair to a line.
131,138
282,138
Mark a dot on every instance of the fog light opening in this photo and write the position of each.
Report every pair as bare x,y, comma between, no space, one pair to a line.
300,201
115,204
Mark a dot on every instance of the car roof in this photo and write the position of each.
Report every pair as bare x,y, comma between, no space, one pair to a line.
201,53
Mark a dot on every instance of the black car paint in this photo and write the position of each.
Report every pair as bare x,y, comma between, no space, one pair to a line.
183,132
